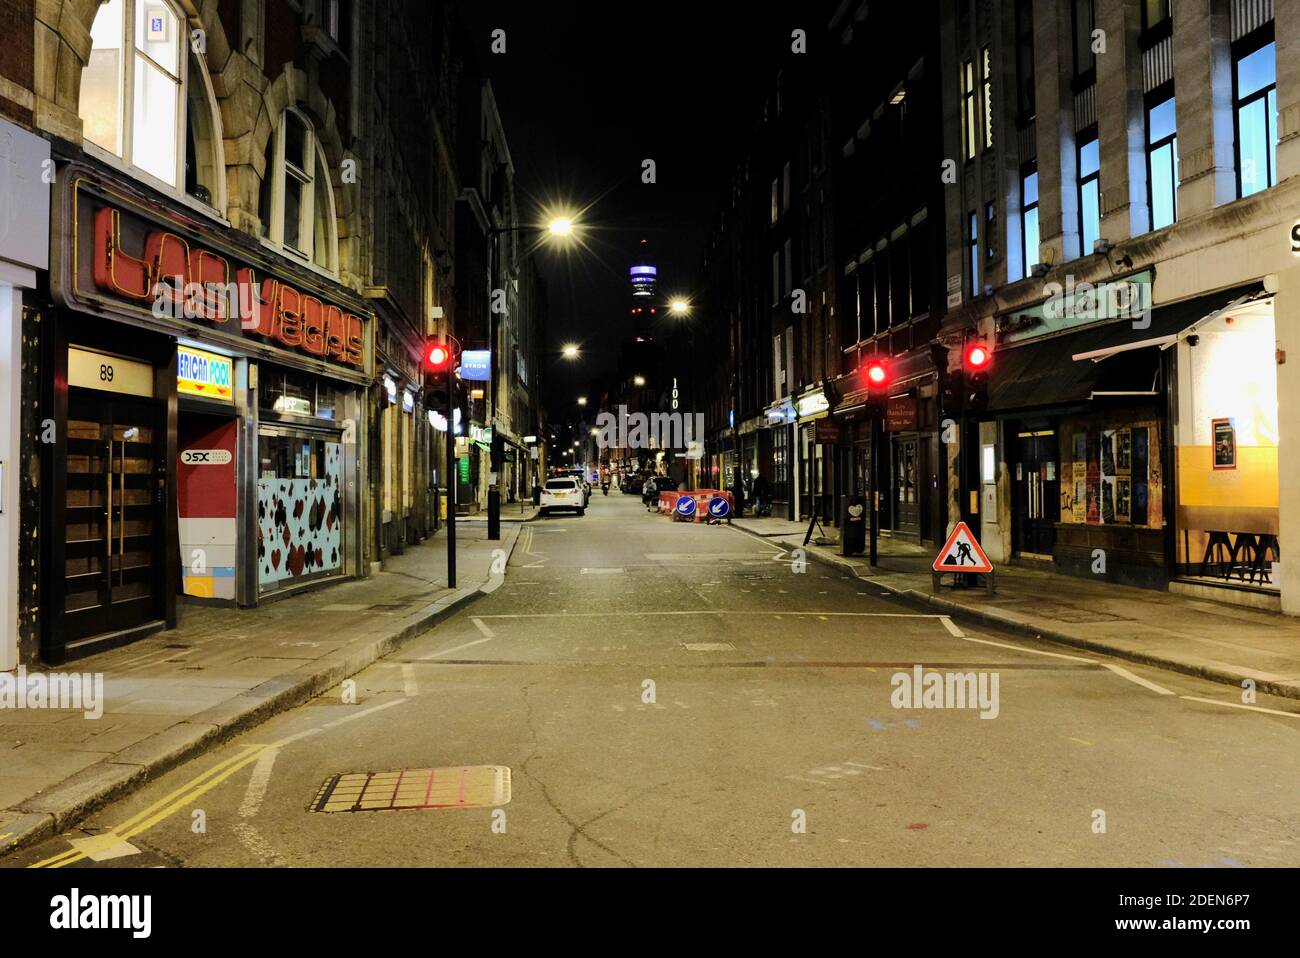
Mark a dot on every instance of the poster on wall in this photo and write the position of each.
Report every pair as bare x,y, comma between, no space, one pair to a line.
1079,508
1123,498
1123,452
1141,476
1224,432
1094,479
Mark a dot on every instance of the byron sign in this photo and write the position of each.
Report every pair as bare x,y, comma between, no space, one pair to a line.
122,258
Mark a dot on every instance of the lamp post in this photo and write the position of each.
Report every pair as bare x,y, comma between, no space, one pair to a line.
558,227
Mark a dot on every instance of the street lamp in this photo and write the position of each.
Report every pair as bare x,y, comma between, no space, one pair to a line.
570,351
582,400
638,380
561,226
679,307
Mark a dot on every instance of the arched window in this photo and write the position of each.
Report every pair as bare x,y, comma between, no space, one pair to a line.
146,98
297,202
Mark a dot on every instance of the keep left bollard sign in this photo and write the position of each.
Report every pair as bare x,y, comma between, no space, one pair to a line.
685,507
719,507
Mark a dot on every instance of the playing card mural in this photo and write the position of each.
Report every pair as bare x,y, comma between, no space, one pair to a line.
300,523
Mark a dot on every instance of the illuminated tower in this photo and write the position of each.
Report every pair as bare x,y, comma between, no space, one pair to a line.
644,278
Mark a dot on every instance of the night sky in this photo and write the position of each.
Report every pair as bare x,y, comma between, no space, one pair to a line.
588,91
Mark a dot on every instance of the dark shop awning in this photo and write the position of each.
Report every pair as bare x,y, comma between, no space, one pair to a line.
1114,359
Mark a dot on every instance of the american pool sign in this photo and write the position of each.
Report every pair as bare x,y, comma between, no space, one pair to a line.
200,373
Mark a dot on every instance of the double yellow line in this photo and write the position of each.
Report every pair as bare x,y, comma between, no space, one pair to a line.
166,806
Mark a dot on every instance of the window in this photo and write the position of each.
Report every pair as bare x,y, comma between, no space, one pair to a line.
900,293
144,98
1254,78
1029,218
968,101
776,208
1085,61
990,232
973,252
1162,164
882,290
919,249
297,202
776,277
1024,59
1154,13
986,98
789,267
785,188
1089,199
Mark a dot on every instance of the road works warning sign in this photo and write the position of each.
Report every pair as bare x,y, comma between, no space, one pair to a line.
962,553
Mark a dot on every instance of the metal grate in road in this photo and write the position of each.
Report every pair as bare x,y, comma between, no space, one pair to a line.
465,786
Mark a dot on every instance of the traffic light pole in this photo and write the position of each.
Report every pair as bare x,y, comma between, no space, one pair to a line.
451,478
872,495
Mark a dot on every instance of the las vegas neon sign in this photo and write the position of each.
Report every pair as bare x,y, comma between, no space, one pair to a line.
177,279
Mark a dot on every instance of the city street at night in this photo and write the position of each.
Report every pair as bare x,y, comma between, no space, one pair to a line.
771,695
832,464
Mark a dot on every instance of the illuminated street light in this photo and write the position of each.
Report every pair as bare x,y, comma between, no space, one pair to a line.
582,400
561,226
679,307
570,351
638,380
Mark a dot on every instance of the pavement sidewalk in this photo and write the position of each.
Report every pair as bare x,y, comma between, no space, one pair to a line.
221,671
1218,641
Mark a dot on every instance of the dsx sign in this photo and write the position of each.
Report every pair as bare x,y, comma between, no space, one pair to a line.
205,457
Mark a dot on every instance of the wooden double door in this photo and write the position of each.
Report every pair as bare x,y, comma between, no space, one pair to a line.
109,522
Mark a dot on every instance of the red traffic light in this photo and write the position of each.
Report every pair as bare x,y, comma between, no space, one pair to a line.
437,356
877,374
977,357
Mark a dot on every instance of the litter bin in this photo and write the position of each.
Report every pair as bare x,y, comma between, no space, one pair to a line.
853,525
537,495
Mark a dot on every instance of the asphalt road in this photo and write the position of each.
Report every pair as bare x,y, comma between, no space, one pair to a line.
665,694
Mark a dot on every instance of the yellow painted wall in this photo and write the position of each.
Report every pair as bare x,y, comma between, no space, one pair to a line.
1252,484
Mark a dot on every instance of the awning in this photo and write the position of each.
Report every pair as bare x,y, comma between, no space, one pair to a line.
1108,360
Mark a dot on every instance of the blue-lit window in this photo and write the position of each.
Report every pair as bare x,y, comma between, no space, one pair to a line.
1254,78
1162,163
973,252
1089,198
1029,219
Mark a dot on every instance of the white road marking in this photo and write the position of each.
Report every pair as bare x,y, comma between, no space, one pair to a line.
951,627
1239,705
1018,648
359,715
814,781
1158,689
482,627
457,648
874,768
409,686
641,614
258,783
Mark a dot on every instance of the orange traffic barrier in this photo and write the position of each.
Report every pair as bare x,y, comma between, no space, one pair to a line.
668,503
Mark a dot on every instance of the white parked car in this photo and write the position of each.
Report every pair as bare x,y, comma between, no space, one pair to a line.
564,493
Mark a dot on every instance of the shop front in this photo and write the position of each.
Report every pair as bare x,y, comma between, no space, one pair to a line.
204,395
1093,457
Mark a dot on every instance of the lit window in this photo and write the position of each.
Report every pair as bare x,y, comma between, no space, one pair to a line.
1085,61
144,97
1254,78
1029,218
986,70
1162,164
973,252
297,203
1089,199
968,100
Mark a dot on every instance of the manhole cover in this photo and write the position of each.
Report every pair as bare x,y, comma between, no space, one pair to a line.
465,786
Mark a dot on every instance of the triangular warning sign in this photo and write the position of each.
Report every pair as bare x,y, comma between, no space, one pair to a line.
962,553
